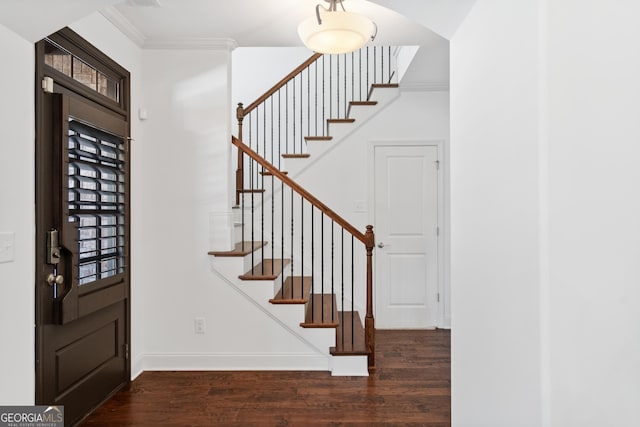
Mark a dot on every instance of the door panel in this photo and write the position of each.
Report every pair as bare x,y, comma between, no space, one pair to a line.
82,352
406,217
83,333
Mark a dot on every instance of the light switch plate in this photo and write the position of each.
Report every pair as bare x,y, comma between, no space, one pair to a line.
7,242
359,206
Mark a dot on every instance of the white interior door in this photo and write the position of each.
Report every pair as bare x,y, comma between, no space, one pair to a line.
406,224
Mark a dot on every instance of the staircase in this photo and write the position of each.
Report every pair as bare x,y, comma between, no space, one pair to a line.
295,257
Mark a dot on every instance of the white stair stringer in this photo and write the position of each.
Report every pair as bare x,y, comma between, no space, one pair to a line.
289,317
341,131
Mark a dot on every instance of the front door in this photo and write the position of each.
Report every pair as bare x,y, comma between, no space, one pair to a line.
406,218
82,232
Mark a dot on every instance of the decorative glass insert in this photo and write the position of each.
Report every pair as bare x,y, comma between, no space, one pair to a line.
70,65
96,200
58,58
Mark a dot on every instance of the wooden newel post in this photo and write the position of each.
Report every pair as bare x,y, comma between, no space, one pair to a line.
239,170
369,324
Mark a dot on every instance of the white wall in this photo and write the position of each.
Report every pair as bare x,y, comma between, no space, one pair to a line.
594,209
257,69
17,215
496,360
186,147
549,112
441,16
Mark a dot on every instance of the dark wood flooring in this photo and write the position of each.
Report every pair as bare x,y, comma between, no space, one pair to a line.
411,387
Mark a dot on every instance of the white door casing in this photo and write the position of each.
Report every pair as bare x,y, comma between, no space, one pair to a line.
406,219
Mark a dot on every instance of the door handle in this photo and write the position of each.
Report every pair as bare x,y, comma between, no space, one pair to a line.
381,245
52,279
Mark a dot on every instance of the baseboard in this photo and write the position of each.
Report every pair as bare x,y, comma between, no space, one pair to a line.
137,367
234,362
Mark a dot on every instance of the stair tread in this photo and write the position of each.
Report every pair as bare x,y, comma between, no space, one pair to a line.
267,173
318,138
268,269
322,312
251,190
239,250
295,290
347,120
296,156
345,345
363,103
381,86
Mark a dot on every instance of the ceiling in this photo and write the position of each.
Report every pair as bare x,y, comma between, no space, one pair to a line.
270,23
158,23
249,22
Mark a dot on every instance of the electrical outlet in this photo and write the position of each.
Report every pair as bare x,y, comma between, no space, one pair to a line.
200,325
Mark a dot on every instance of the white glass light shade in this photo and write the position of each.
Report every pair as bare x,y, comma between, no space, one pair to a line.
340,32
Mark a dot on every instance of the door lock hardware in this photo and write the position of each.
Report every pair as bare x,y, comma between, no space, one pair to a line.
53,279
53,247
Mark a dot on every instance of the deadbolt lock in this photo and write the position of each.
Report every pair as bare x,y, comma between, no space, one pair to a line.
53,247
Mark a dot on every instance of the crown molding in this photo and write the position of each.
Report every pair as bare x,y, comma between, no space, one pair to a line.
124,25
424,87
188,43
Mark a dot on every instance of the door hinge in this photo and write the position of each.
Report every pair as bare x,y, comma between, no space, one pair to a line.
437,231
126,351
438,296
438,164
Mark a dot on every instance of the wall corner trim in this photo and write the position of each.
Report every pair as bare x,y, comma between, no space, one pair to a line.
114,16
185,43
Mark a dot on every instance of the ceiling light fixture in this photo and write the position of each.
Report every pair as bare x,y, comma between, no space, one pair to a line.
336,31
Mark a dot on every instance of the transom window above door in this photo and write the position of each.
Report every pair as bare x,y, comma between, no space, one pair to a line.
70,65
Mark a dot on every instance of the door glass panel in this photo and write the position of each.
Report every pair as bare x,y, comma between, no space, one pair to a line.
96,200
58,58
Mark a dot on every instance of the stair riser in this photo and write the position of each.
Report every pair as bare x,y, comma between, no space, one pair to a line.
230,266
349,366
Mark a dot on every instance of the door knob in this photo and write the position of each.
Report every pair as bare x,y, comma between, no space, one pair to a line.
52,278
381,245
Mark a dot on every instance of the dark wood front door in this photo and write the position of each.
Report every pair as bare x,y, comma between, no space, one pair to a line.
82,232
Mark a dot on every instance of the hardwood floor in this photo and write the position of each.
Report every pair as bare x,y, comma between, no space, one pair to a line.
411,387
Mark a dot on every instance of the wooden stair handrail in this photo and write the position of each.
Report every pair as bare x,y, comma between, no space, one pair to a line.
281,83
301,191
